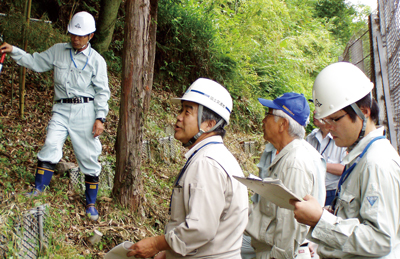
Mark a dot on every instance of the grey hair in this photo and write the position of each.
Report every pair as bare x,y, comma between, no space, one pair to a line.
295,129
211,115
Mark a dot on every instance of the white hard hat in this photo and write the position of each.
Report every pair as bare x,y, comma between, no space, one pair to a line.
338,86
211,95
82,24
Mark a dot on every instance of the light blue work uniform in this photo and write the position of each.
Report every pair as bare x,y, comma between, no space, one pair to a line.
82,74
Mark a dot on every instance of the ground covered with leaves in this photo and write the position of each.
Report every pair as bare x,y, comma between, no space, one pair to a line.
67,229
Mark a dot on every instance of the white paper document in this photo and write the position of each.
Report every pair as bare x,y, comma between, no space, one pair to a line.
271,189
120,251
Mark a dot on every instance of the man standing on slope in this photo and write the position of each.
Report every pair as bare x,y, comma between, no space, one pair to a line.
208,206
80,94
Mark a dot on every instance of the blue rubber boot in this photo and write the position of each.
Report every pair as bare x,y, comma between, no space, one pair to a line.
44,173
92,187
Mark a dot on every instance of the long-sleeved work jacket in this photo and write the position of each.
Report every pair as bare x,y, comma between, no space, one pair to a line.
274,231
367,218
208,206
82,74
76,74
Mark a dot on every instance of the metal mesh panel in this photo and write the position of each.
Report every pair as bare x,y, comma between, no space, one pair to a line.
107,176
358,52
30,230
389,16
250,147
146,151
168,150
168,147
77,179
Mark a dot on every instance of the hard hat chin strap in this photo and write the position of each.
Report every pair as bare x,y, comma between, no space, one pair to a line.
364,126
201,132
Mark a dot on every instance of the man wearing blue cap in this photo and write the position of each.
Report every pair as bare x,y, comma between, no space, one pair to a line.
273,230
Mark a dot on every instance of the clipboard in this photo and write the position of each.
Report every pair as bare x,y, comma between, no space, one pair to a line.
272,190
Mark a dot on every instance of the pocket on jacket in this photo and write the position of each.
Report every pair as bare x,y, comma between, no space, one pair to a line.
267,208
349,204
60,72
195,201
177,203
84,79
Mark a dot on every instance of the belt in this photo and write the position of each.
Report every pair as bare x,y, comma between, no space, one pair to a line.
75,100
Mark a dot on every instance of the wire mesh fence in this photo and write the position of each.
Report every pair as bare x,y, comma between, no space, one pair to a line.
388,44
379,59
250,147
164,149
389,15
358,52
30,230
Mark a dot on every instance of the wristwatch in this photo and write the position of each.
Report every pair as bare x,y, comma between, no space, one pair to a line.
101,119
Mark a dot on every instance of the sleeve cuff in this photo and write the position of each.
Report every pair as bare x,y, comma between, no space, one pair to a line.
16,51
324,226
100,115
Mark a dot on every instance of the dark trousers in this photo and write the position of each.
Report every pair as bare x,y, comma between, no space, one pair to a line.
330,195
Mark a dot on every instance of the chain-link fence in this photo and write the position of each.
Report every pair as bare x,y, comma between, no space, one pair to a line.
389,18
164,149
376,52
358,52
31,237
31,231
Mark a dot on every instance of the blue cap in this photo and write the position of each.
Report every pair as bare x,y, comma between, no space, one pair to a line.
293,104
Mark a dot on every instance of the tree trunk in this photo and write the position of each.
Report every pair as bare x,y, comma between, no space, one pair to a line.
106,24
22,71
137,82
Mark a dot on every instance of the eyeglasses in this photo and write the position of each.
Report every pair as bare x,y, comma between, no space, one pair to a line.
333,122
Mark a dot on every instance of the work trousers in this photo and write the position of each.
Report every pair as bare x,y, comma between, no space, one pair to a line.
75,121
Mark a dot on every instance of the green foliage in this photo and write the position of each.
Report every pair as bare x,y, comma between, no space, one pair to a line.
186,47
254,48
114,63
40,35
341,18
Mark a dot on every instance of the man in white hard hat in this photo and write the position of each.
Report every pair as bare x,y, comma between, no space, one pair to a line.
273,230
81,93
208,206
365,219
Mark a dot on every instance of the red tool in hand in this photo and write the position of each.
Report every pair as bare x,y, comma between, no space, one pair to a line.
2,60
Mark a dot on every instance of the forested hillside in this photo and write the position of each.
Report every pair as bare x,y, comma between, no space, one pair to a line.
257,48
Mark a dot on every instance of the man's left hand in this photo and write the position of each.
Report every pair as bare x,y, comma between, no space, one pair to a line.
148,247
98,128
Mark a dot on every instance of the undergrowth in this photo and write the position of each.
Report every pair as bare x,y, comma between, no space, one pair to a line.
67,228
